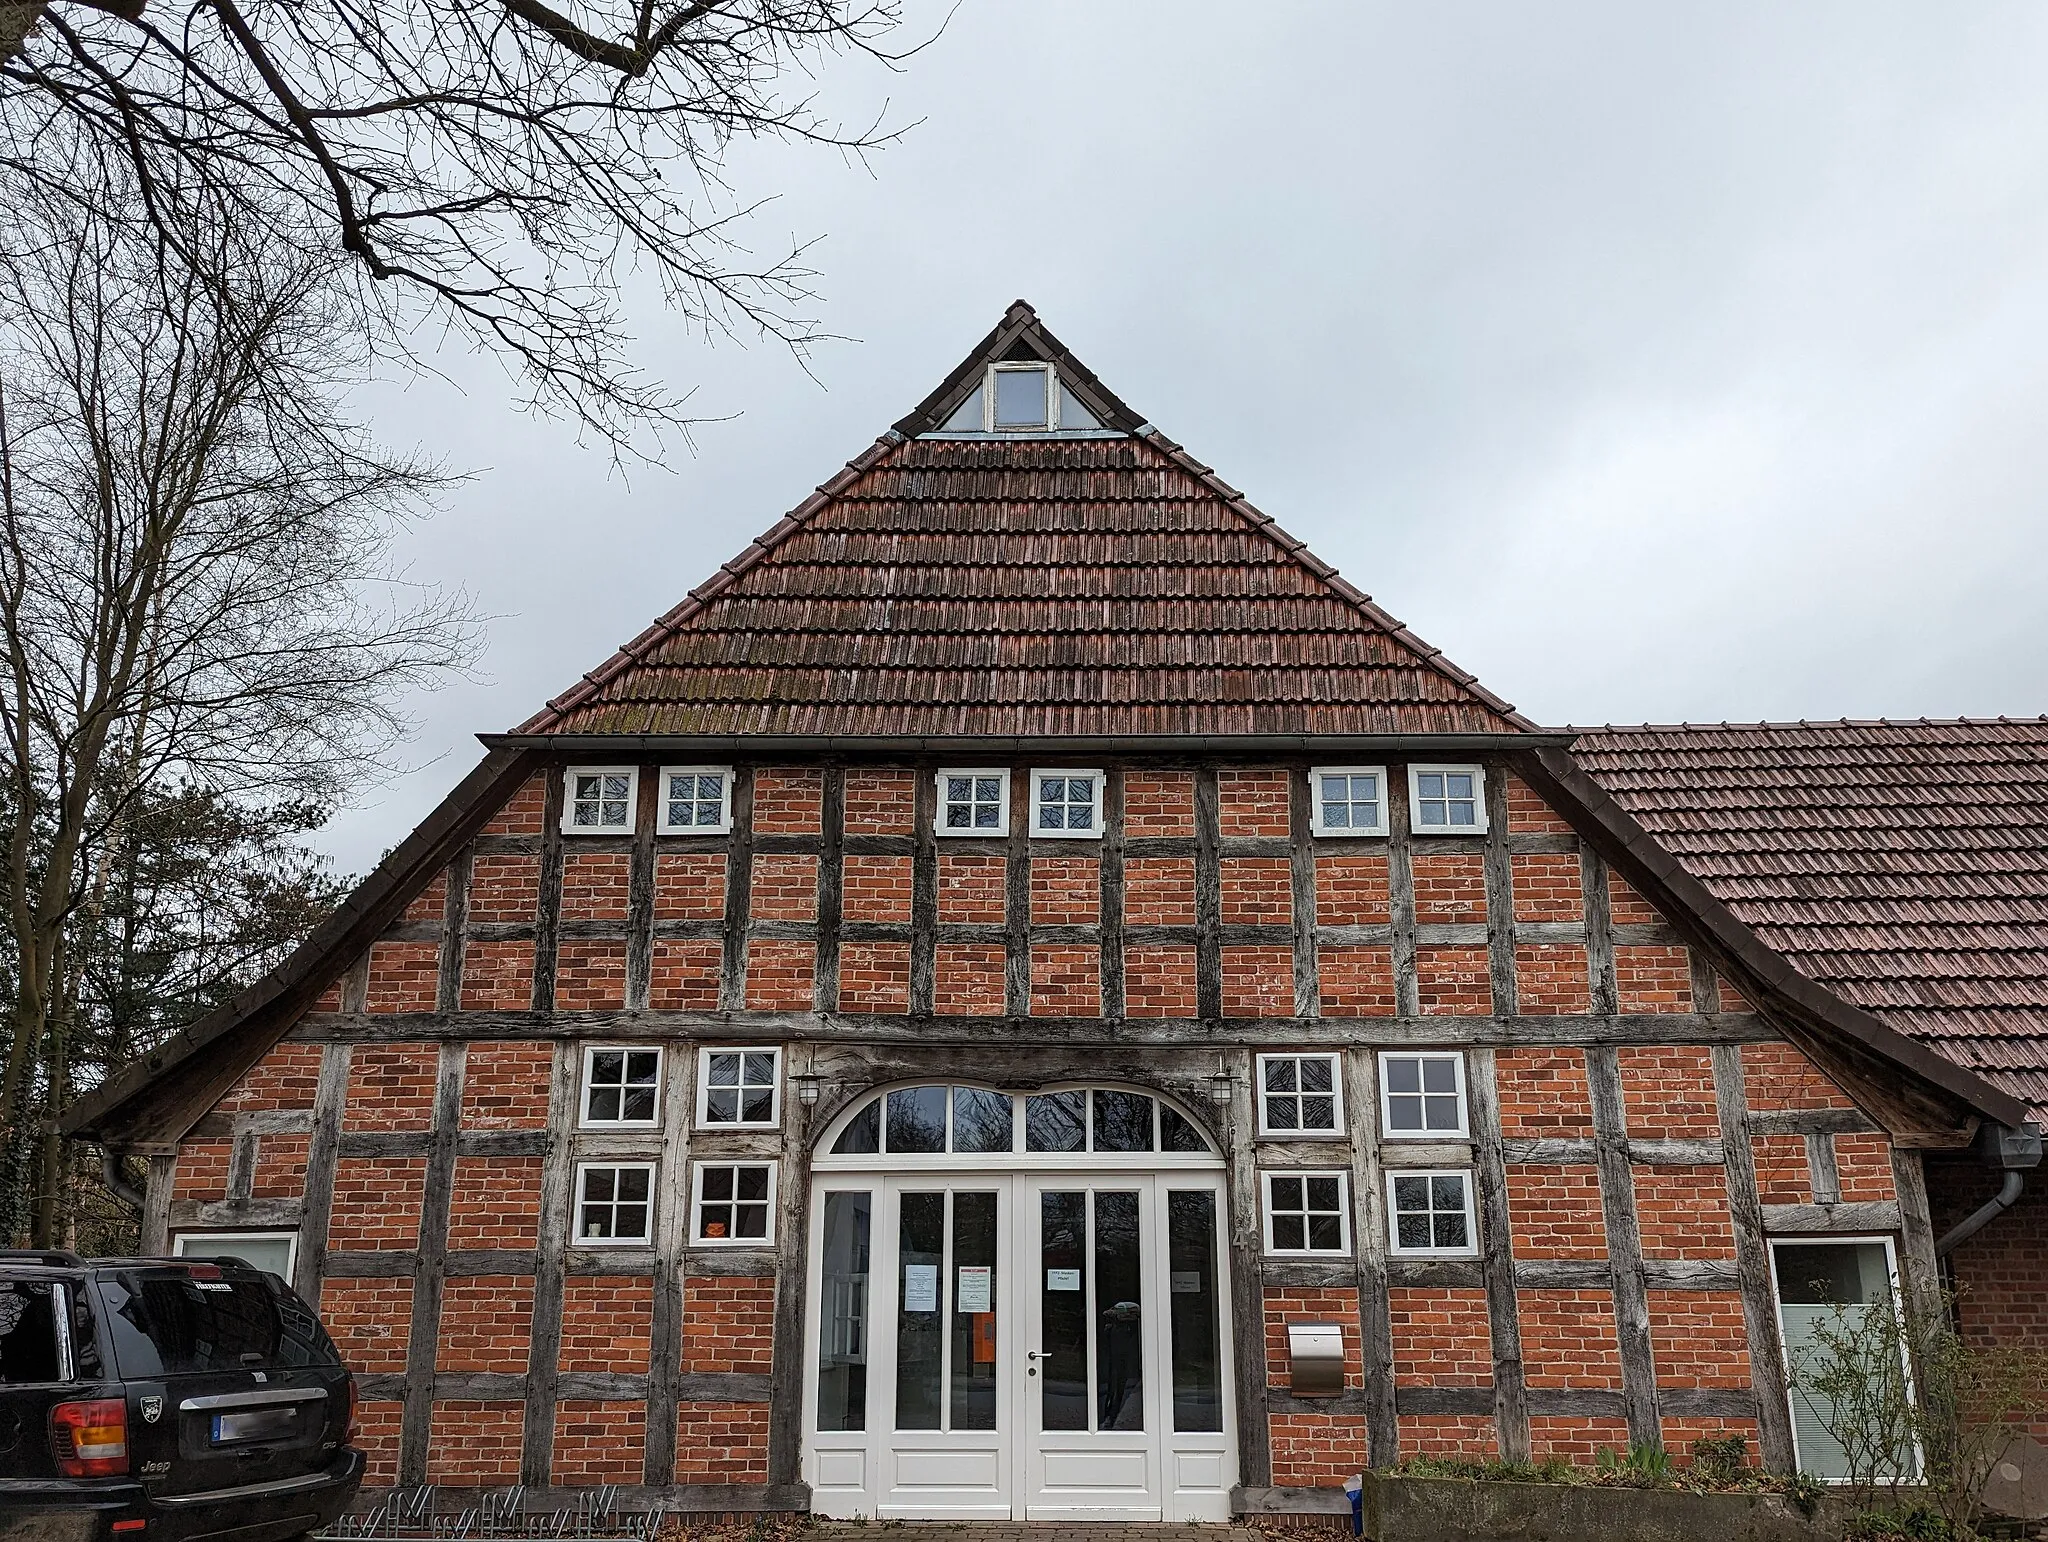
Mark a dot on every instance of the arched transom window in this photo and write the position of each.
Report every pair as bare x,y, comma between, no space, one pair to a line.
937,1121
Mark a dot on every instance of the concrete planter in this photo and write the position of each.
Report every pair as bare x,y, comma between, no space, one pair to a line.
1399,1509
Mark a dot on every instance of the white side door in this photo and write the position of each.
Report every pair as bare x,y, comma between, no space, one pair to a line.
1091,1404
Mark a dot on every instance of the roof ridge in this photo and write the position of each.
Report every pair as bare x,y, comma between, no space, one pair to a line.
756,551
1298,550
1787,725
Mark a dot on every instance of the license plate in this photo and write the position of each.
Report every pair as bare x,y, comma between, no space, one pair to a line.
255,1424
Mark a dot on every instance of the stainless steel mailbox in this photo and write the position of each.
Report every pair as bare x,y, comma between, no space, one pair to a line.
1315,1359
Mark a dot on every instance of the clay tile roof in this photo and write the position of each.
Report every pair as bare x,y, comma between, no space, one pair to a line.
1903,865
1097,584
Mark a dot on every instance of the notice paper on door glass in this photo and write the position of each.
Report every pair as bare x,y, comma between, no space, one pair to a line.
974,1288
920,1287
1063,1279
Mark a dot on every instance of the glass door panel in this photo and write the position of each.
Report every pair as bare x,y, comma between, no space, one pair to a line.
974,1283
1119,1314
1063,1309
843,1313
1193,1307
920,1342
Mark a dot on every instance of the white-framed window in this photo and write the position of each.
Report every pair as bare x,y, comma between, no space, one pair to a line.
1298,1094
1429,1214
1306,1213
1828,1287
695,800
276,1251
1348,800
974,802
599,800
732,1204
1422,1096
621,1086
1021,396
1447,800
614,1204
739,1089
1066,805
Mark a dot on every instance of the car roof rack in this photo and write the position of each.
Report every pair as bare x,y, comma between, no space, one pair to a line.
56,1258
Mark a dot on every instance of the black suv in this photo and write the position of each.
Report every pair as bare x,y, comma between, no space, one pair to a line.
166,1398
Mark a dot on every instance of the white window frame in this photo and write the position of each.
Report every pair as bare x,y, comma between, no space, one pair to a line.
617,1165
704,1119
1387,1130
697,1168
1315,794
724,825
1014,367
590,1054
1471,1247
1415,824
1038,776
1336,1131
569,775
1266,1177
218,1242
1891,1259
1002,826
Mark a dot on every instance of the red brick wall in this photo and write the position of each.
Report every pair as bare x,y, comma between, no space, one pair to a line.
789,802
1453,981
722,1443
1356,982
683,974
1459,1437
1066,891
1568,1340
495,1203
391,1087
1159,891
968,979
497,975
1625,906
1778,1076
1668,1092
1450,888
1159,981
785,887
286,1077
1527,813
590,976
505,1086
595,884
1251,802
1555,1211
474,1444
1652,978
281,1166
970,887
1699,1339
1352,891
781,975
728,1323
403,976
1682,1212
1258,982
504,888
1543,1093
1782,1174
376,1203
1256,891
370,1321
1441,1339
377,1438
202,1170
1551,977
1066,980
874,977
521,813
1864,1164
875,889
689,885
880,802
2001,1274
599,1443
1579,1441
431,903
1159,803
607,1323
1316,1450
486,1324
1548,886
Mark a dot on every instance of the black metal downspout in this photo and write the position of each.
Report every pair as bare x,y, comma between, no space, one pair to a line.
118,1186
2007,1151
2007,1196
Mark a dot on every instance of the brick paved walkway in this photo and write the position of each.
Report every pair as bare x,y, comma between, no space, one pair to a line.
1037,1531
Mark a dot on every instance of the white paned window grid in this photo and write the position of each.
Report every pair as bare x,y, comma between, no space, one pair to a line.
1298,1094
599,800
1066,805
614,1204
1447,800
733,1204
738,1088
1429,1214
696,800
1306,1213
1422,1096
974,802
621,1087
1348,800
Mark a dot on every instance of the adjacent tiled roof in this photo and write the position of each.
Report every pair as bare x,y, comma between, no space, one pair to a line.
1903,865
1097,585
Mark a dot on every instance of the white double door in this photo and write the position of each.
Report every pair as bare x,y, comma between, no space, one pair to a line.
1032,1346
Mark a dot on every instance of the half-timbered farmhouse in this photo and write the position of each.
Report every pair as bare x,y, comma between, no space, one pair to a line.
1028,995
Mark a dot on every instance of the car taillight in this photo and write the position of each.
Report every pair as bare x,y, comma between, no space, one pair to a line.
348,1421
90,1439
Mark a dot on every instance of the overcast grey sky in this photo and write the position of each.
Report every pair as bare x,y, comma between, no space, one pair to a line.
1655,362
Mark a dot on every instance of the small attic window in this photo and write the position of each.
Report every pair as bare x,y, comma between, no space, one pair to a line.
1023,397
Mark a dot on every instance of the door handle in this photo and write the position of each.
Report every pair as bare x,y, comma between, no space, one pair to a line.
1038,1354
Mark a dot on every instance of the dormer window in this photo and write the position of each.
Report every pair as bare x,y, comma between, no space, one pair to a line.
1021,397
